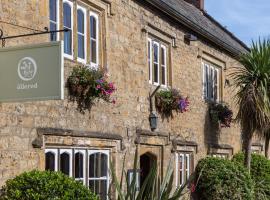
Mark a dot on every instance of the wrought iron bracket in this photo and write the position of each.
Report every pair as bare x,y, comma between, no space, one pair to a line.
46,31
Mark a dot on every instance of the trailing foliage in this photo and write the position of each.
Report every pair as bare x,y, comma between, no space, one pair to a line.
253,95
87,85
221,179
260,173
170,100
220,113
45,185
151,189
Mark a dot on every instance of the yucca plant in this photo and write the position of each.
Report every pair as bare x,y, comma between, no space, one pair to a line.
150,189
252,82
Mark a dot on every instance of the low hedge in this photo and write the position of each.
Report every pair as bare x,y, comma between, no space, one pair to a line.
45,185
220,179
260,173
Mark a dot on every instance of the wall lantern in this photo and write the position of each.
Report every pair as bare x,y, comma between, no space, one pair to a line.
153,121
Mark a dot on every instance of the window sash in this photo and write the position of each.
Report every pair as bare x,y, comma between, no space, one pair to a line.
68,45
211,82
94,40
163,66
149,56
156,61
81,46
54,22
183,167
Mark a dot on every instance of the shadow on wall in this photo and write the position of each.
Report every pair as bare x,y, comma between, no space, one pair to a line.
211,129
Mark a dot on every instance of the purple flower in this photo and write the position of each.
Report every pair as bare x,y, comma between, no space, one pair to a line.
100,81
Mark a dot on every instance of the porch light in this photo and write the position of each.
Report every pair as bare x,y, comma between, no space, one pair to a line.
153,121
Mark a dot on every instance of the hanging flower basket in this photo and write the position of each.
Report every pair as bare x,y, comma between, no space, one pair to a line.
222,114
170,100
87,85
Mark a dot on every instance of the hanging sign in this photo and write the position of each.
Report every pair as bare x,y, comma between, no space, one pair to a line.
32,72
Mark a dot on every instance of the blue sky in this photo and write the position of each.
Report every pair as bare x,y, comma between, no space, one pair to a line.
247,19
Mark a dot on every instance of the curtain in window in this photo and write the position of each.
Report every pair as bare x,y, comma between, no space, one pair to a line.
93,39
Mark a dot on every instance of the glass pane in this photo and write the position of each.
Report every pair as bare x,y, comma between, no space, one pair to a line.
215,85
162,56
64,163
67,42
81,46
79,165
67,15
163,76
211,84
93,51
156,53
104,165
80,21
98,165
149,49
53,10
92,165
206,83
50,161
156,73
99,187
93,27
53,28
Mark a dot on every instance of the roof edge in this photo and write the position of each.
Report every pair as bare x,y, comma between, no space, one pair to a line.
163,7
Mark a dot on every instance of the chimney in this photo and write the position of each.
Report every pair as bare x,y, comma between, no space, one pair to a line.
197,3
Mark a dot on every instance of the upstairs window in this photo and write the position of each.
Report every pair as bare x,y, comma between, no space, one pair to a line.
211,82
68,24
54,25
81,34
94,39
157,62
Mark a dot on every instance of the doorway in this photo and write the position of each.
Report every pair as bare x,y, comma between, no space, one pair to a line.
147,161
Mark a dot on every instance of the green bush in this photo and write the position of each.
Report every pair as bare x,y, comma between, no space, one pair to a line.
260,173
46,185
220,179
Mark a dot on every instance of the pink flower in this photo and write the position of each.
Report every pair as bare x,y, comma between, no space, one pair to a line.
193,187
113,101
98,86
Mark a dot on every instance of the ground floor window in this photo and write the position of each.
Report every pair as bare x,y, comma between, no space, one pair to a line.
220,155
91,167
184,167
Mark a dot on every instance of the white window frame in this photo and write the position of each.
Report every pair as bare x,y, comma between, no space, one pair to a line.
55,22
82,34
164,66
83,152
106,152
211,69
55,152
185,168
96,16
150,59
71,7
68,151
158,63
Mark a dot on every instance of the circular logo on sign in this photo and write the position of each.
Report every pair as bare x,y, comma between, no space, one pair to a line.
27,68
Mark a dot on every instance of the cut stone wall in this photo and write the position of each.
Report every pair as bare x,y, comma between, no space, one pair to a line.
126,58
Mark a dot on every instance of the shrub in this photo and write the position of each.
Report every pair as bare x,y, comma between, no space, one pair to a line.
46,185
85,85
221,179
170,100
260,173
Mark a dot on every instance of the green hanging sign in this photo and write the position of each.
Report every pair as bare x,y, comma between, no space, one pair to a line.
33,72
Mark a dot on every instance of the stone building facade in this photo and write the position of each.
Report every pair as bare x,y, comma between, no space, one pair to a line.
54,134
